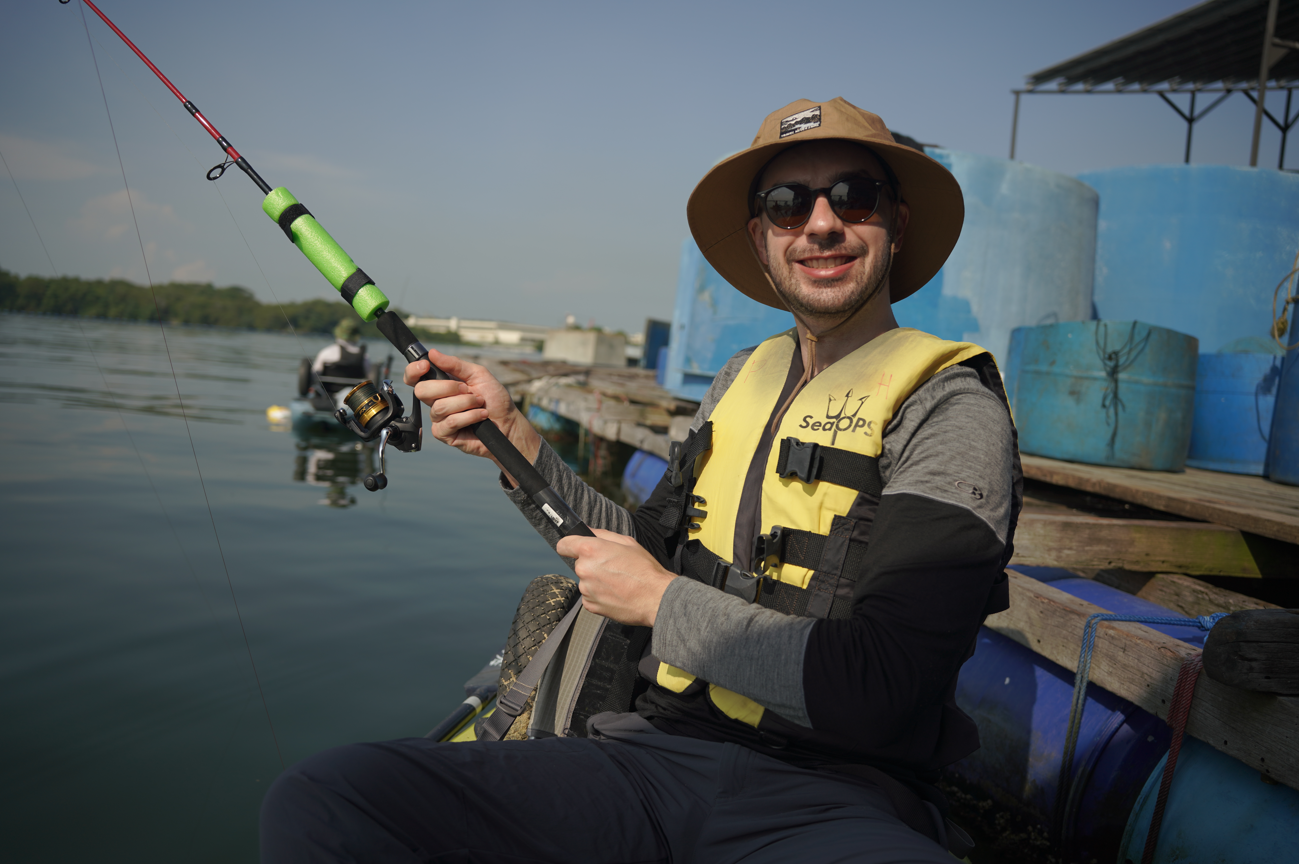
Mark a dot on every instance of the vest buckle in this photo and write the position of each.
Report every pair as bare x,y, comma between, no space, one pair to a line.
674,464
800,459
766,546
730,579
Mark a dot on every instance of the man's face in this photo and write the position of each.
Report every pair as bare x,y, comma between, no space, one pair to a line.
828,267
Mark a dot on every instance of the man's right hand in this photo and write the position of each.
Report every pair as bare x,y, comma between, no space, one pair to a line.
477,396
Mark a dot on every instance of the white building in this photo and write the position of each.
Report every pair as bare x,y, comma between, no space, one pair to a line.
483,332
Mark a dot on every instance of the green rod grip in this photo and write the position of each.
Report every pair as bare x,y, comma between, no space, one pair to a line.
324,252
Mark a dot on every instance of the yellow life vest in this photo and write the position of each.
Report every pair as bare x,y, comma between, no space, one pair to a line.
847,406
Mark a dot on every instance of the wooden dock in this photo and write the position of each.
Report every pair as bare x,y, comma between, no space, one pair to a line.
614,403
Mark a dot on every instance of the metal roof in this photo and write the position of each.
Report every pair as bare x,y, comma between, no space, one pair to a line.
1217,41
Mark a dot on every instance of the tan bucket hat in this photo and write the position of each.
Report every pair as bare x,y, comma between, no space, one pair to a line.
718,210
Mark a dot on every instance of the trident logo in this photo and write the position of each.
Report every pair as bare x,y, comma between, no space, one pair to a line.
842,422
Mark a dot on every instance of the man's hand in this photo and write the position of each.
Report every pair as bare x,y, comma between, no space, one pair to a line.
618,578
453,405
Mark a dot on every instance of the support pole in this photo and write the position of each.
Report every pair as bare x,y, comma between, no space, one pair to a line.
1285,131
1190,127
1263,67
1014,125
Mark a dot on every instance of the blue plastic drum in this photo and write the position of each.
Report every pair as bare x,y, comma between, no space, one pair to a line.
1025,257
642,474
1218,809
1234,398
710,322
1118,393
1021,702
1283,448
1195,248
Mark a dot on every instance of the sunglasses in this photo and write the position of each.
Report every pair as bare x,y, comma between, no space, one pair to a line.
790,205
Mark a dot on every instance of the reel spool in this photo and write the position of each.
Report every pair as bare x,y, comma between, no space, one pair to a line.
368,406
377,412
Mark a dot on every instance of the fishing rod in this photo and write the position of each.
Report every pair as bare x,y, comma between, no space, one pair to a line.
369,411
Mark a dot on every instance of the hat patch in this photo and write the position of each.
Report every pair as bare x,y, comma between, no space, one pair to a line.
800,122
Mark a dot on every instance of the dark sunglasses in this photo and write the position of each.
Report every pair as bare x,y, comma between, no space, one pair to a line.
790,205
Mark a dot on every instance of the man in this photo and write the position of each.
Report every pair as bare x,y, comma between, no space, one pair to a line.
344,359
799,712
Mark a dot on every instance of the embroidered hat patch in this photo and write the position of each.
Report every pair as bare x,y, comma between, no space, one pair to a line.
800,122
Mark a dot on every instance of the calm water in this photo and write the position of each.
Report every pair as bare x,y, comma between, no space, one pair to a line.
133,727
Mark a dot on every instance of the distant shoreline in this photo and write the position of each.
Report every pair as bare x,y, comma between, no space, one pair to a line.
180,303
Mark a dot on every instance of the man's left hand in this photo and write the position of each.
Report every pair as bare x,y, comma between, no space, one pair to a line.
618,578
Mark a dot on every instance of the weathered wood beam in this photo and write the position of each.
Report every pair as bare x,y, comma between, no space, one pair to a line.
1141,665
1074,540
1248,503
1257,649
1182,594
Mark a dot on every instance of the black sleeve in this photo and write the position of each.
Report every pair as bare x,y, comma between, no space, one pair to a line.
916,612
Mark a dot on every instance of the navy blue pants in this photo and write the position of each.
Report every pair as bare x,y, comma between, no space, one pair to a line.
635,796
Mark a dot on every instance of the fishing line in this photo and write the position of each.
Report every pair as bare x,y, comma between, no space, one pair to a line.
176,383
117,408
266,279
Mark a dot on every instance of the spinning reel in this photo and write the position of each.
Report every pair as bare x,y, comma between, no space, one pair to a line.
377,412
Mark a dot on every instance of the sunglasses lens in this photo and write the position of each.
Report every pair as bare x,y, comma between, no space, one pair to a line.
854,200
789,206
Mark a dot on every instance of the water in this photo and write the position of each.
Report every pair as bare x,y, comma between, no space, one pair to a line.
133,727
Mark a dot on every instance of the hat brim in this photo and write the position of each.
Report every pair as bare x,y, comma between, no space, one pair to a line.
718,214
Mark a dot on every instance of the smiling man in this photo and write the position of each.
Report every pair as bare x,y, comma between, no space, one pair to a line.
815,564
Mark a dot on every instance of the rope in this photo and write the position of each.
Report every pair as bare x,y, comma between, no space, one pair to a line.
1081,678
1116,361
1183,693
1280,322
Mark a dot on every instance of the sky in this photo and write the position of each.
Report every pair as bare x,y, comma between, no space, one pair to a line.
519,161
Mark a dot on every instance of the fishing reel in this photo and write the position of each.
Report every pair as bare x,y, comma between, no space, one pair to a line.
377,412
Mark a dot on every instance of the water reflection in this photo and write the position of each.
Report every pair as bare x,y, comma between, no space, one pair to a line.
334,461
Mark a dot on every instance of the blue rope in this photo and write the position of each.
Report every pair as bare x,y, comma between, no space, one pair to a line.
1081,677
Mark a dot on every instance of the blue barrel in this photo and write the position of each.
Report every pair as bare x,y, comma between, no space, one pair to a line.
1195,248
642,474
1283,446
1014,360
656,338
1021,700
1025,257
1234,398
1118,393
710,322
1217,810
551,425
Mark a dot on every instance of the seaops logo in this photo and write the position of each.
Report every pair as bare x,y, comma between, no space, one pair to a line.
840,421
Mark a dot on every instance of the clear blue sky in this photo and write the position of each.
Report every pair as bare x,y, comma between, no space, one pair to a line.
510,160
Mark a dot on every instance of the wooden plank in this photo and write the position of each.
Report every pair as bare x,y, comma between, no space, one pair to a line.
1141,665
1182,594
1247,503
1076,540
1257,650
643,438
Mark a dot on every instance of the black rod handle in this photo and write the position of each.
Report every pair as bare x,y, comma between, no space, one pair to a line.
502,448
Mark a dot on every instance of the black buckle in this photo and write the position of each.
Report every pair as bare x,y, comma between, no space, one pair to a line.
674,464
801,459
732,580
768,546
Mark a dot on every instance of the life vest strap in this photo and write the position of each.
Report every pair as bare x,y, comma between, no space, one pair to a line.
821,600
808,549
812,462
680,474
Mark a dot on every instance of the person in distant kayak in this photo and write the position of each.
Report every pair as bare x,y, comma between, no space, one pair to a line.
814,565
345,358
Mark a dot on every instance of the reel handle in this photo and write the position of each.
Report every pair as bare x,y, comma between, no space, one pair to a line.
496,442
